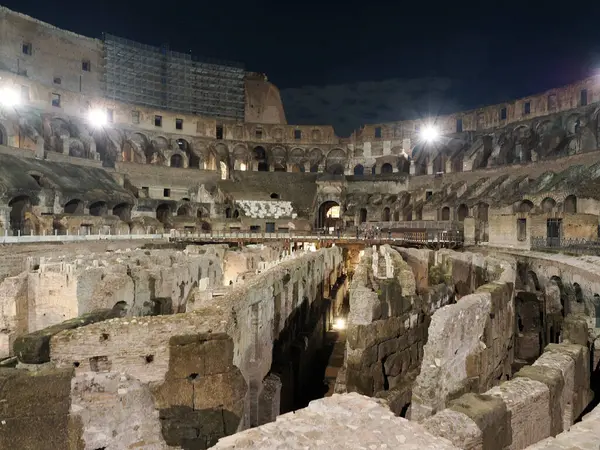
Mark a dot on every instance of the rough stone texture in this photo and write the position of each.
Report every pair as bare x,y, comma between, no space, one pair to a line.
387,325
112,407
469,349
348,421
34,410
526,410
457,427
584,435
205,368
528,404
491,416
34,348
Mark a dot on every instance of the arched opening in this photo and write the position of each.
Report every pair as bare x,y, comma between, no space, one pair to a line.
184,210
236,214
525,206
596,301
177,160
359,170
396,216
578,293
335,169
260,156
548,205
163,213
74,206
571,204
445,213
363,215
438,164
387,168
533,283
483,212
228,213
462,212
419,212
564,300
279,168
329,215
457,164
404,165
224,171
122,211
98,209
385,214
129,154
205,227
19,207
296,168
275,196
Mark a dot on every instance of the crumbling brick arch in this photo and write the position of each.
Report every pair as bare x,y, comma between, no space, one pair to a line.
547,205
132,152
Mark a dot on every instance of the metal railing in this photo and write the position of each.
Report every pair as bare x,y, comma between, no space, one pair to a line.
577,246
454,238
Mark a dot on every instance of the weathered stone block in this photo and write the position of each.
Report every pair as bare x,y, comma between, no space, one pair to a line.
553,379
34,348
457,427
203,354
575,330
491,416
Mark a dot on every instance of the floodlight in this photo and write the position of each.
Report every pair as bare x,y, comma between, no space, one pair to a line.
429,133
97,118
340,324
9,97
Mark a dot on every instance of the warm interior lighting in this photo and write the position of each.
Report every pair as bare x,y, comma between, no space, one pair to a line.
97,118
333,212
429,133
242,166
339,324
9,97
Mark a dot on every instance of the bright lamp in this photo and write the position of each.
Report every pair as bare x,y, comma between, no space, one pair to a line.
429,133
9,97
97,118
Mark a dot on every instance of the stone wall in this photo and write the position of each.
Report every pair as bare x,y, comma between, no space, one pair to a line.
205,369
56,289
387,327
541,401
470,343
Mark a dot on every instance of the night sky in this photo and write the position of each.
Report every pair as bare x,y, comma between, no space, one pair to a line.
353,62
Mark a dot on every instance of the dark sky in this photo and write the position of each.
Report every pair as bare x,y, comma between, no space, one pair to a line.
485,51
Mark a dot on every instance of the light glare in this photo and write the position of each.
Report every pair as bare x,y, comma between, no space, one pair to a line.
429,133
340,324
9,97
97,118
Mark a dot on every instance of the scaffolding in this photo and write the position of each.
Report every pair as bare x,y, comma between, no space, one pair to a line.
160,78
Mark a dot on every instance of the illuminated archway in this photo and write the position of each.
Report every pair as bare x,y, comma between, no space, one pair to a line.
329,215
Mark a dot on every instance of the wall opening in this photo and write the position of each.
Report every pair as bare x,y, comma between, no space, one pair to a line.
74,206
122,211
329,215
163,213
176,160
98,209
445,213
387,168
359,170
521,230
571,204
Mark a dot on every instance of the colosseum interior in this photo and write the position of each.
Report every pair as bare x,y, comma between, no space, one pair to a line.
209,276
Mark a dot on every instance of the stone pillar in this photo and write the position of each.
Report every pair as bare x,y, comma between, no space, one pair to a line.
65,145
448,168
321,167
412,169
469,231
430,168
